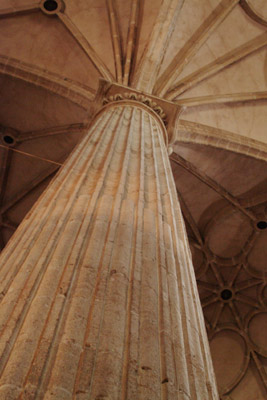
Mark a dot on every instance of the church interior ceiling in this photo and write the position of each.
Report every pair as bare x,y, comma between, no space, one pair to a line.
210,58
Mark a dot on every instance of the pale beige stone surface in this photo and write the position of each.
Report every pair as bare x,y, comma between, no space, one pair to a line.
50,67
100,299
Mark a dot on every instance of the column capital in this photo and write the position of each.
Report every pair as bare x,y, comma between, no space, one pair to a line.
167,111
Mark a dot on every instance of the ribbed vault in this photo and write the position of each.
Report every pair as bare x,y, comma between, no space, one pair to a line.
210,58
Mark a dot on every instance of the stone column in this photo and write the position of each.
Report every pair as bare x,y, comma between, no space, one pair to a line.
99,299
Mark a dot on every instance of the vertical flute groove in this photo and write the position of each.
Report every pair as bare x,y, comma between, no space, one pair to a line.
159,213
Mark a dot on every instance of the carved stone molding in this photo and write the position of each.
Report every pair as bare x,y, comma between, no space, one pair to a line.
139,98
167,111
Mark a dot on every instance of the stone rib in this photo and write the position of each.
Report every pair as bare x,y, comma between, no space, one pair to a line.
217,66
153,54
191,47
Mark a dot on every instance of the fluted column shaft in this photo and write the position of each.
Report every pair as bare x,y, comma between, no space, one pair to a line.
99,299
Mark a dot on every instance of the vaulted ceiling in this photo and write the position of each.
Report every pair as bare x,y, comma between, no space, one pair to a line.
209,57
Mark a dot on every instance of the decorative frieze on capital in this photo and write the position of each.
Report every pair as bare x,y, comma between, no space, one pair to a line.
167,111
139,98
